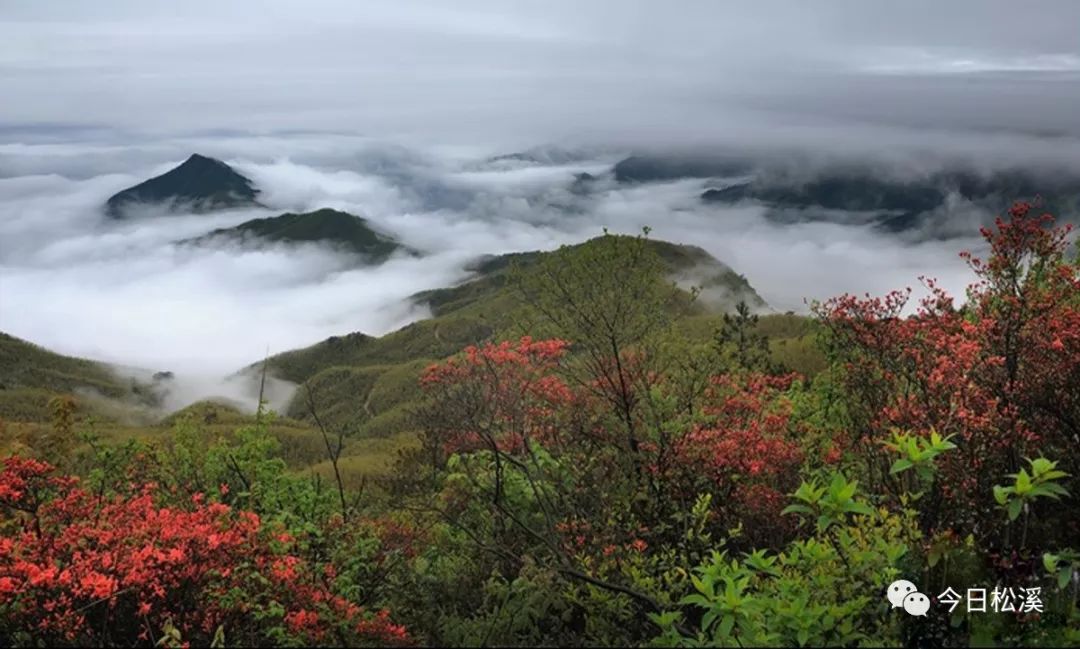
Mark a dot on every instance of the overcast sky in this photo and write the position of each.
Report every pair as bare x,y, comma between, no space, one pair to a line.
388,109
465,69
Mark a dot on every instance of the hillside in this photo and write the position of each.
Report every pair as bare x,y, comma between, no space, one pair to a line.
31,375
200,184
688,265
121,410
621,465
26,365
473,310
328,226
368,384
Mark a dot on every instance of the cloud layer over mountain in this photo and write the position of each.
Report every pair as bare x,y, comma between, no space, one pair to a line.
135,297
393,111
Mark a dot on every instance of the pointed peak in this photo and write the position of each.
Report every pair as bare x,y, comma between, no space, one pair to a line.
201,183
199,159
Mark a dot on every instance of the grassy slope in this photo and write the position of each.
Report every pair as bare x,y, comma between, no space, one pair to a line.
31,375
367,385
26,365
363,385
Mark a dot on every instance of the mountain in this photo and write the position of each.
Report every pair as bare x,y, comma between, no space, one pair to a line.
650,168
31,375
688,265
370,384
899,204
26,365
334,227
200,184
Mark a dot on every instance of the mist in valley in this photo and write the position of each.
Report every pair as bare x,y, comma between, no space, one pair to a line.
466,133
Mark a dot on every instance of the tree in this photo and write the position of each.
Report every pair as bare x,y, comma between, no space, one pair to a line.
739,344
609,297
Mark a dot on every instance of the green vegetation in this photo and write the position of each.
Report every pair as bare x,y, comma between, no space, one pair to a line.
345,372
30,375
613,465
339,229
26,365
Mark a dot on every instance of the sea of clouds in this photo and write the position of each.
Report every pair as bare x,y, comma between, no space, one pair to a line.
125,293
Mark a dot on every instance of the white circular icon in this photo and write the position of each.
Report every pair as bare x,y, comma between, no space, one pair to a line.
917,604
898,590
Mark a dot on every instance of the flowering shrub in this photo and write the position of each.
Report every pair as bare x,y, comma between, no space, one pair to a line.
746,448
498,394
77,568
999,373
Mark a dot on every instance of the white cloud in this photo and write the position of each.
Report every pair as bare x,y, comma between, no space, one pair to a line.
125,293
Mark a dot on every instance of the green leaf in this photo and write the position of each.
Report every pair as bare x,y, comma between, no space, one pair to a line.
726,625
933,556
848,491
858,508
1050,561
697,599
703,586
901,465
1064,576
1001,494
1014,508
1040,465
708,619
1055,489
1023,482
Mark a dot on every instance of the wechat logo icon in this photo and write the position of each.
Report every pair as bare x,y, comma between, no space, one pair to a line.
903,594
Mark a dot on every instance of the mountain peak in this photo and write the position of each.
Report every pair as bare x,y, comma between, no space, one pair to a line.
197,158
199,184
326,225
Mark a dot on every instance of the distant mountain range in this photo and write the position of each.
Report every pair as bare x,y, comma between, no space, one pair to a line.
904,204
891,200
200,184
340,229
649,168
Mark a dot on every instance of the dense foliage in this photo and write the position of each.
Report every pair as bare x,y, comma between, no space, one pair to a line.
609,480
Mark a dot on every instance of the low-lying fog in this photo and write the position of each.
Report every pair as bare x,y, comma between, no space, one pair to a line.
124,292
98,96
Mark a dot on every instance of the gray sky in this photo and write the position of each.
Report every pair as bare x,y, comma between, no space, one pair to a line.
468,69
388,109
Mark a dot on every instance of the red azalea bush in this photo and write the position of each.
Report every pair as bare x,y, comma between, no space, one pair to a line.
747,449
502,393
1001,373
78,568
